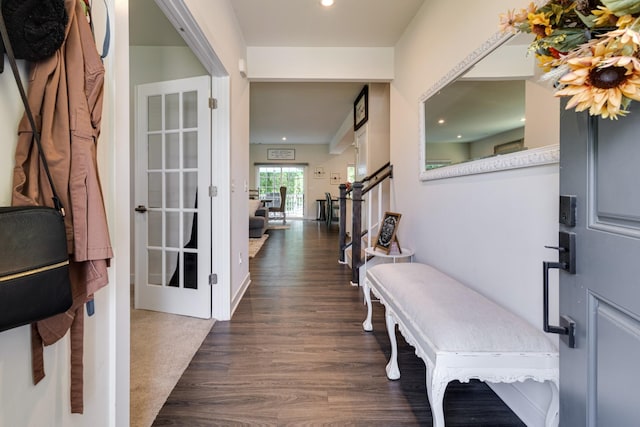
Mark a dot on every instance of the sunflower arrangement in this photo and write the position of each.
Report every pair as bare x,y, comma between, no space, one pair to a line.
589,50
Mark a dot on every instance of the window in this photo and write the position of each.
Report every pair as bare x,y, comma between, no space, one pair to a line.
351,173
271,178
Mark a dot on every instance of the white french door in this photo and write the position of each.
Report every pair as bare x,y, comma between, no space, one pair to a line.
173,213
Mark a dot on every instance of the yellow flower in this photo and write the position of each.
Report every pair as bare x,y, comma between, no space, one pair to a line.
540,24
625,21
545,62
604,87
605,17
524,13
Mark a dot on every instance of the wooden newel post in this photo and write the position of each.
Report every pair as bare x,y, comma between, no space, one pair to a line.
343,221
356,233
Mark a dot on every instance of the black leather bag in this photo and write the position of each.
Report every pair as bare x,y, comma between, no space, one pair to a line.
34,263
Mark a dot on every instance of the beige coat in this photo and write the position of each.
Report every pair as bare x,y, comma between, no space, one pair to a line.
65,94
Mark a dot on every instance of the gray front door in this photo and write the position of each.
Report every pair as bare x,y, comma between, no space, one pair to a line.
600,166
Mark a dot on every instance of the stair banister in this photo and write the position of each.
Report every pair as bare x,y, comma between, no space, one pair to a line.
343,222
357,191
356,230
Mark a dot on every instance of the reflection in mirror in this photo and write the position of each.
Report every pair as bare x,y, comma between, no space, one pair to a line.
480,109
472,119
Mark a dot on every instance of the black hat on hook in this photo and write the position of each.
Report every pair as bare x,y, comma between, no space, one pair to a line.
36,28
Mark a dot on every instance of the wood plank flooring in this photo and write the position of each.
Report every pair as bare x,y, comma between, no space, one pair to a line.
295,353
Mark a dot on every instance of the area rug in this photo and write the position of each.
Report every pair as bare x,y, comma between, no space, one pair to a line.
278,227
162,345
256,244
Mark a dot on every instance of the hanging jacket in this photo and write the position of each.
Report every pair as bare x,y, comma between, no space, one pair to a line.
65,93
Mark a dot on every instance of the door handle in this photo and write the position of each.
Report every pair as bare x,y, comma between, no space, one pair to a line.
567,262
141,209
566,252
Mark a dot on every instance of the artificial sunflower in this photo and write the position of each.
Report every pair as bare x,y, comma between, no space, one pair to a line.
540,24
589,50
603,86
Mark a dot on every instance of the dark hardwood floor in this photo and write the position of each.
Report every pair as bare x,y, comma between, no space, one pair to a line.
295,353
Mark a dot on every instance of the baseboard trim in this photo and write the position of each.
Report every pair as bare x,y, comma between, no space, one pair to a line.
528,411
238,296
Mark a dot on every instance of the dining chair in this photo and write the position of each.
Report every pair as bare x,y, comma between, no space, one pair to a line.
280,211
333,209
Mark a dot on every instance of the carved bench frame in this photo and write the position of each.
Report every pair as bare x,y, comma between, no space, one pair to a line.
443,367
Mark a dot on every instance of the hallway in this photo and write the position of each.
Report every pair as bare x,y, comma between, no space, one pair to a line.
295,353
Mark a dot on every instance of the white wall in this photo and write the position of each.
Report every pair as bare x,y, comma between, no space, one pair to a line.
105,352
320,63
317,156
487,230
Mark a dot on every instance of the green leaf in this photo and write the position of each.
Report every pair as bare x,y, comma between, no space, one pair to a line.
589,21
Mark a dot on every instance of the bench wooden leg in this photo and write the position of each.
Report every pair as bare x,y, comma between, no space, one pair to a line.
367,325
553,411
393,372
436,387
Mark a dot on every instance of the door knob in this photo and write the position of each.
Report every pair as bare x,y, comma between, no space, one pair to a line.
141,209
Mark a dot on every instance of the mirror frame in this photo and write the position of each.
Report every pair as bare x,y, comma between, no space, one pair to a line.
521,159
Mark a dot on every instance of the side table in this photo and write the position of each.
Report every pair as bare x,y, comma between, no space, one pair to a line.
371,250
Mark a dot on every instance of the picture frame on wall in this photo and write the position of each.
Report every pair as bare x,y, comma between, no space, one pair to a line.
281,154
387,233
361,108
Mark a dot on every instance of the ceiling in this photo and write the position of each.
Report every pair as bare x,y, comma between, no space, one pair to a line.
310,112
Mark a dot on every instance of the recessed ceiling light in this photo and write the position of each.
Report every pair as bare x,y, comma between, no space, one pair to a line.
441,121
326,3
523,119
284,138
459,136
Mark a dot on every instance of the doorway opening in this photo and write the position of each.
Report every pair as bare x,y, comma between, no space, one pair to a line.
271,178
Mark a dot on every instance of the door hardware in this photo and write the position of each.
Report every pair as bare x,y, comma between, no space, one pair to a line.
567,262
567,215
141,209
566,252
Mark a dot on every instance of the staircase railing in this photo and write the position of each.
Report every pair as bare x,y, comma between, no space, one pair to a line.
357,191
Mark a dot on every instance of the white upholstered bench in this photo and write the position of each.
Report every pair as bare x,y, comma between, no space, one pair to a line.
458,333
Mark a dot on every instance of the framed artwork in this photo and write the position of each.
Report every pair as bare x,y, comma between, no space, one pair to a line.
281,154
361,108
509,147
387,233
335,178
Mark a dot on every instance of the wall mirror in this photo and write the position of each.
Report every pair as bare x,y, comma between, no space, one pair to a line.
489,113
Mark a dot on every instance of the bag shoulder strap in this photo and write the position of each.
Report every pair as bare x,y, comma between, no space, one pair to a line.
36,135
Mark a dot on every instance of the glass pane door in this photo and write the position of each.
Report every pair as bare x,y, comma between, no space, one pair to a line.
172,163
272,177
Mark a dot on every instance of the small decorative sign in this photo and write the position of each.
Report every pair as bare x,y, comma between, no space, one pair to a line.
387,234
281,154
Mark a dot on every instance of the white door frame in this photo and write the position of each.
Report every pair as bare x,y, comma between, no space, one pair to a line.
178,14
